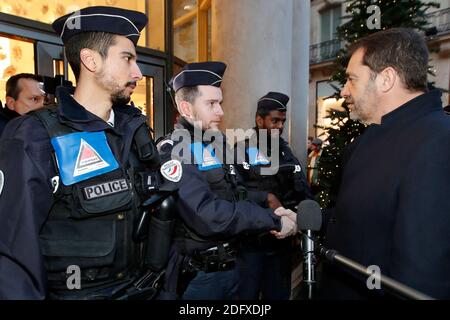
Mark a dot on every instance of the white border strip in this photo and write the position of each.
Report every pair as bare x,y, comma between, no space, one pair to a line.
199,70
94,15
270,99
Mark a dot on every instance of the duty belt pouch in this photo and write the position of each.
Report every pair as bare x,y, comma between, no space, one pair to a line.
160,233
105,194
157,253
145,146
241,193
90,244
220,259
148,182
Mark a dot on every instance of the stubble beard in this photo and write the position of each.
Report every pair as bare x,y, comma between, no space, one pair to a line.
118,95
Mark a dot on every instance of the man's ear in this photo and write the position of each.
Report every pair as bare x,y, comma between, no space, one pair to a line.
259,121
387,79
89,59
186,109
9,102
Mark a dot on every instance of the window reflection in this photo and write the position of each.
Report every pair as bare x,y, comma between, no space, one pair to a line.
48,11
181,7
143,98
185,29
185,41
16,56
192,29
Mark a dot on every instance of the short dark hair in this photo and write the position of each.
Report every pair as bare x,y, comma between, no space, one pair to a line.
403,49
188,94
12,85
97,41
262,112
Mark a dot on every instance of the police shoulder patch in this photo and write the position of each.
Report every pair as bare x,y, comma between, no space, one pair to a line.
172,170
2,181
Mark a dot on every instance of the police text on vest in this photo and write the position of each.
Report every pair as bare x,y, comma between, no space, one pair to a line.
105,189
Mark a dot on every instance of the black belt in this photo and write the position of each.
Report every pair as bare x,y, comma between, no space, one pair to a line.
219,258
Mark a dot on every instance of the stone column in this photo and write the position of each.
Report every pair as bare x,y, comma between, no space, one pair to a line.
299,113
266,47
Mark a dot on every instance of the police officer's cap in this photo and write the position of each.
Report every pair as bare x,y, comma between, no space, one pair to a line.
273,101
199,74
118,21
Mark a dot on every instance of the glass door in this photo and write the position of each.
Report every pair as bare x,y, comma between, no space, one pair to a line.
16,56
149,96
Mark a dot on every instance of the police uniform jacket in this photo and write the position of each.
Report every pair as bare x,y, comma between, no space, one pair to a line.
44,225
5,116
288,180
393,208
207,205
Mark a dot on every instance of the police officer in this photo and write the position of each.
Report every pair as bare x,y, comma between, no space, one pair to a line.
73,177
210,212
265,264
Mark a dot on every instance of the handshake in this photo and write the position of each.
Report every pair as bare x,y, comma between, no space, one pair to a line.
288,223
288,218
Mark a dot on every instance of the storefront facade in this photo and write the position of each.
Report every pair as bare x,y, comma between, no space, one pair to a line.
29,45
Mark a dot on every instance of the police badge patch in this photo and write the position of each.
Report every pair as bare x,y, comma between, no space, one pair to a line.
83,155
172,170
256,158
2,181
205,157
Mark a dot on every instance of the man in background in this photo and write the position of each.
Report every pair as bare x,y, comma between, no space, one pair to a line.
265,263
24,93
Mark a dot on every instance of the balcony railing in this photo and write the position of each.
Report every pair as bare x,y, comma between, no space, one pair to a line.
439,24
324,51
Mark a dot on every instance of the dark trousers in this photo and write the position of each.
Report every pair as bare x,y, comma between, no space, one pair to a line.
264,274
220,285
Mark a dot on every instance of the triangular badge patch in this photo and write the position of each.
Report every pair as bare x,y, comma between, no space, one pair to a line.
88,160
208,159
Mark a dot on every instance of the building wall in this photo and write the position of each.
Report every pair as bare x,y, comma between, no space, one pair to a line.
258,57
265,45
316,7
441,64
320,72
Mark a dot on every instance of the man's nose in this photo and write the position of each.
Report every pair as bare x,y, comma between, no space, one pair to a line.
279,125
220,111
344,92
136,73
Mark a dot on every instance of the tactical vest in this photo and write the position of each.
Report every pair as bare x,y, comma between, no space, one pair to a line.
91,223
281,184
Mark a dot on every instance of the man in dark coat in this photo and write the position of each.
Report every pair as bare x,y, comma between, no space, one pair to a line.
393,210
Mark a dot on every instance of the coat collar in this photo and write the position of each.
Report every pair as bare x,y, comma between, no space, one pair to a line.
419,106
8,114
71,113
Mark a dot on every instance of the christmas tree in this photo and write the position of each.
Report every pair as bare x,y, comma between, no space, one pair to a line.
366,17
